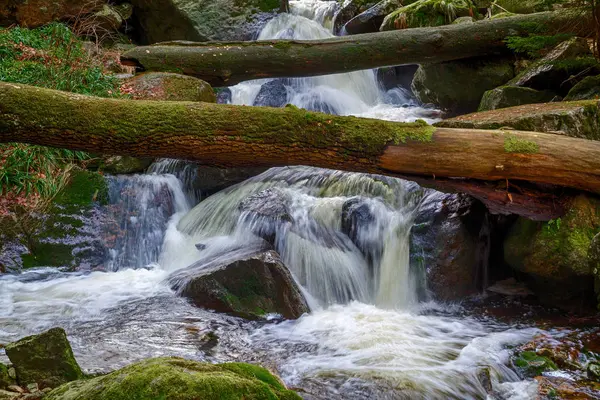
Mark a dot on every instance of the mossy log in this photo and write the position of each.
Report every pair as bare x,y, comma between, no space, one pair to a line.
241,136
228,63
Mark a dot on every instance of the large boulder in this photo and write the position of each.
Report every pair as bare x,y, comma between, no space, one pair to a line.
552,72
266,213
178,379
116,165
371,19
167,20
349,10
210,180
458,86
555,254
510,96
45,359
168,86
577,119
35,13
427,13
445,242
249,282
587,88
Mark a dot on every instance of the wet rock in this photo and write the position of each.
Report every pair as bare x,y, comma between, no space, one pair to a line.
358,223
533,365
111,18
593,371
117,165
272,94
555,254
445,241
576,119
371,19
35,13
588,88
223,95
168,20
423,13
392,77
510,287
33,387
45,359
8,395
458,86
265,212
168,86
5,379
12,373
349,10
177,378
210,180
510,96
248,282
552,72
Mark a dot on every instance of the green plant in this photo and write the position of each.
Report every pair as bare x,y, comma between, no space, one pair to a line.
553,225
534,46
52,57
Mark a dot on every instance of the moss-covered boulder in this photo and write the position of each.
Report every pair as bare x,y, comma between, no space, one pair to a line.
247,282
588,88
371,19
5,379
458,86
68,234
532,364
428,13
35,13
166,20
348,11
116,165
555,254
45,359
570,58
168,86
178,379
577,119
510,96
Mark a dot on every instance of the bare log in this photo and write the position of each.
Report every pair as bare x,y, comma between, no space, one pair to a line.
223,64
241,136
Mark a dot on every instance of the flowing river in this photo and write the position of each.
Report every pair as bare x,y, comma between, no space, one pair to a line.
371,332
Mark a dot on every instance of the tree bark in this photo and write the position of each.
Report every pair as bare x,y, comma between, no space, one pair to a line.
223,64
241,136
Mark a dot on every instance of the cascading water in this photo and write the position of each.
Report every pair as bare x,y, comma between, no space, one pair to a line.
355,93
345,238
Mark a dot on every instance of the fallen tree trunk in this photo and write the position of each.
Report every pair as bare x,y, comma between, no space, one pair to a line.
223,64
240,136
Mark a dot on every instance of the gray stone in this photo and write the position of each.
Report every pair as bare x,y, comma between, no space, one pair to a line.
510,96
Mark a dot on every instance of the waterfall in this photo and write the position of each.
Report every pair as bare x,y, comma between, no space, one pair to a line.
355,93
142,207
348,239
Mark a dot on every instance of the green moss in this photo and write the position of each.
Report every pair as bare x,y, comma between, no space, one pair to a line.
5,379
588,88
535,45
46,359
48,255
428,13
534,365
178,379
514,144
282,44
84,188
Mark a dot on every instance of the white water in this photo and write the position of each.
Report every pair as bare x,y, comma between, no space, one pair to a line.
367,336
355,93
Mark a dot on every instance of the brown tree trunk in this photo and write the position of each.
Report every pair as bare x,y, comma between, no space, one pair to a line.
241,136
223,64
284,6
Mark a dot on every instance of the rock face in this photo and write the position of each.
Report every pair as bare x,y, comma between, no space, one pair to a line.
45,359
266,212
555,254
35,13
167,20
371,19
458,86
427,13
178,379
272,94
553,71
248,282
167,86
116,165
577,119
349,10
211,180
588,88
510,96
445,242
